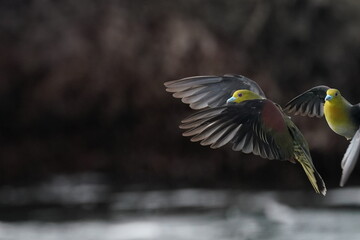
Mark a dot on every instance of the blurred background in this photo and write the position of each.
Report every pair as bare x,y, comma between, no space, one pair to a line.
89,141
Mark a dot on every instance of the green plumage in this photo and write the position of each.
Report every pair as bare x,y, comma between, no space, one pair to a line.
302,155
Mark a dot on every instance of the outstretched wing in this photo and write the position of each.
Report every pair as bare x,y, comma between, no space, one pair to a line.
350,158
246,125
309,103
210,91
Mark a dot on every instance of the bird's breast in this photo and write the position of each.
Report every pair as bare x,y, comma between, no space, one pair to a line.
338,119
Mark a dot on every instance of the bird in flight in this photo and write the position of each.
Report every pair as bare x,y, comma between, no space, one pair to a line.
233,109
342,117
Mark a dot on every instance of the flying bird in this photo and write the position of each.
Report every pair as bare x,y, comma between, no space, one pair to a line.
233,109
342,117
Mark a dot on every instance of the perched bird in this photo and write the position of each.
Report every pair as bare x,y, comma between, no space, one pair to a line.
233,109
342,117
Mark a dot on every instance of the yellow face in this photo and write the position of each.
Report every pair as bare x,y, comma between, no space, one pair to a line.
243,95
332,95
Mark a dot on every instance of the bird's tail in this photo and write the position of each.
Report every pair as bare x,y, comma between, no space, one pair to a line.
314,177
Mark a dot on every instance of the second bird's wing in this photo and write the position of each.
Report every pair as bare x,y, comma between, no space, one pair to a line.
350,158
251,126
210,91
309,103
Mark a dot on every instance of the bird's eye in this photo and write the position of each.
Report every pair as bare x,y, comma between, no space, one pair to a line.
240,95
336,94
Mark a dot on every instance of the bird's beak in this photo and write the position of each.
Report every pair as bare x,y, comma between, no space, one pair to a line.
328,97
231,99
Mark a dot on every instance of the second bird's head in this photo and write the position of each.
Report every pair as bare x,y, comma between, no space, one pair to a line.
243,95
332,94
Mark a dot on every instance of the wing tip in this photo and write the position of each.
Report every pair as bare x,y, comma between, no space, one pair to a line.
169,83
323,192
343,180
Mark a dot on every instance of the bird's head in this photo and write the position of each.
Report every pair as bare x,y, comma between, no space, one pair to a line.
332,94
243,95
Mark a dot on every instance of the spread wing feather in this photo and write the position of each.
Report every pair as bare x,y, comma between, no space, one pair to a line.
309,103
350,158
238,124
210,91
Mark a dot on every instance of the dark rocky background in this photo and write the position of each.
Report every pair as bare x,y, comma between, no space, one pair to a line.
81,86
